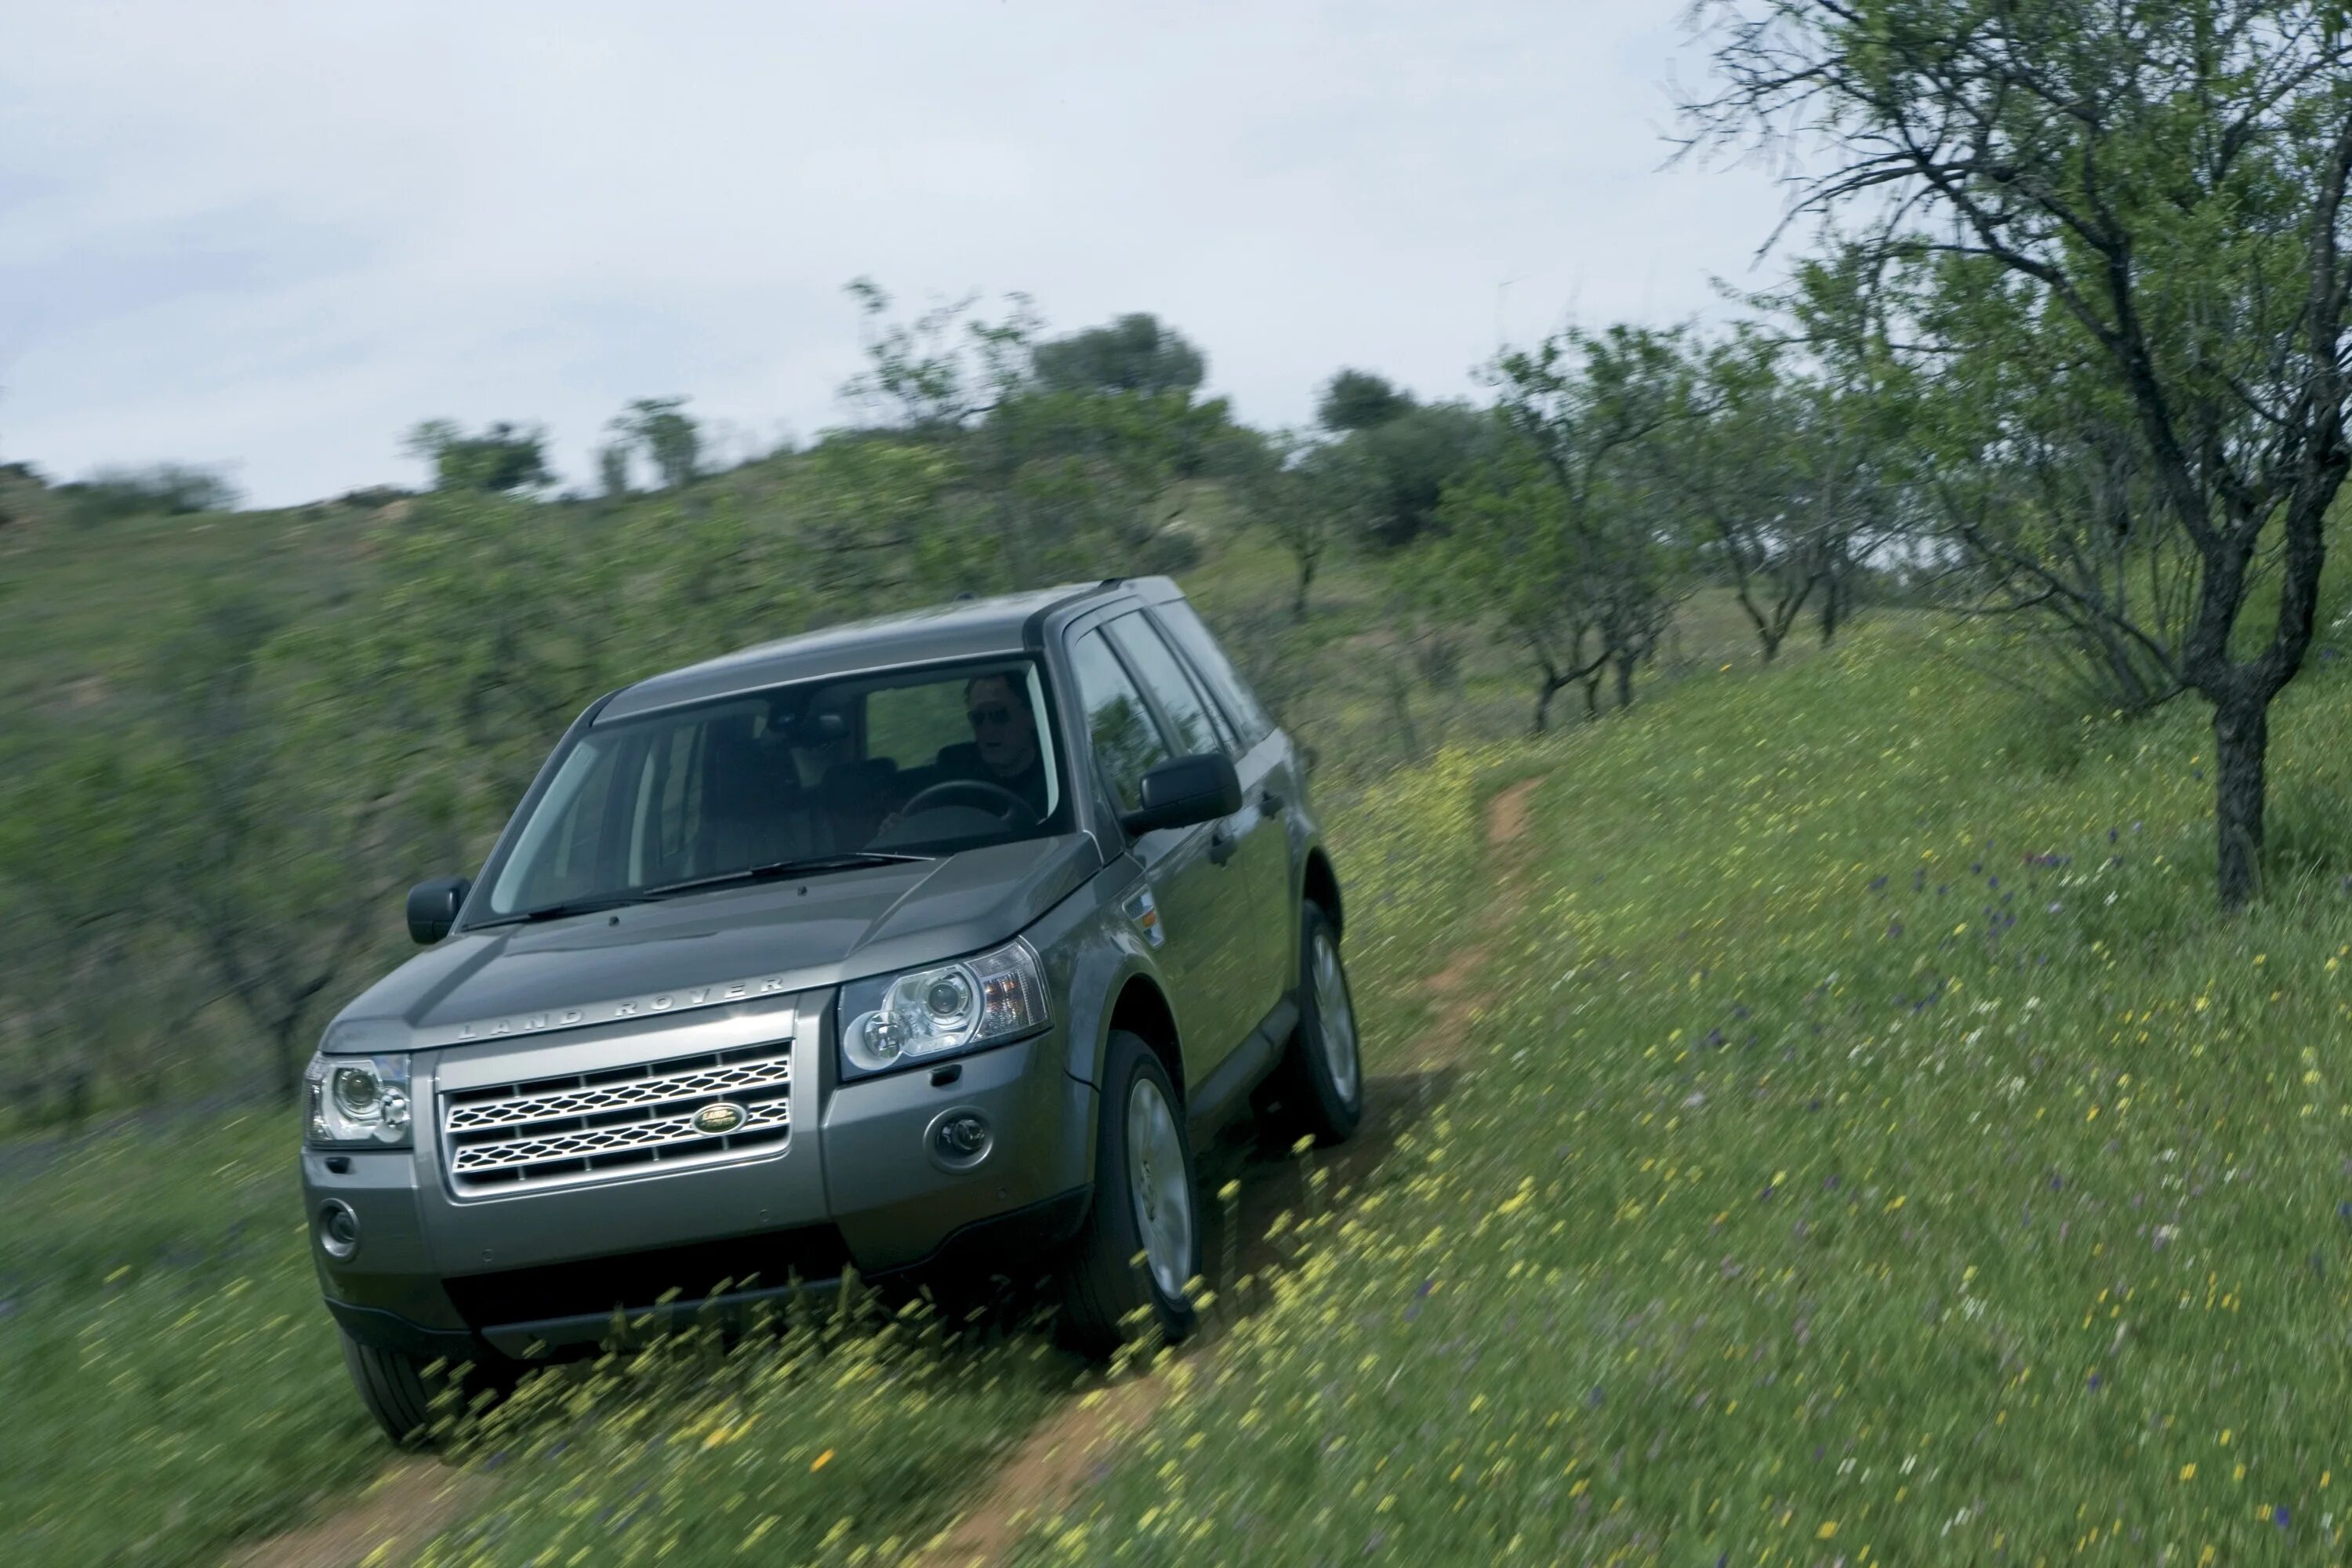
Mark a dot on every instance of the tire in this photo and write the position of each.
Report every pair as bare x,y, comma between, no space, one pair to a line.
1319,1087
1145,1202
404,1396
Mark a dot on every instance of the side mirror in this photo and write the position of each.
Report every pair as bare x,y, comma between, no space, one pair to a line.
433,907
1188,790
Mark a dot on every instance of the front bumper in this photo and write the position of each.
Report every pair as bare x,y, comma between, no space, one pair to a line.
853,1186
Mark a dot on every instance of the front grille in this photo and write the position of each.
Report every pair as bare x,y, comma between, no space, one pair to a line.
764,1260
584,1127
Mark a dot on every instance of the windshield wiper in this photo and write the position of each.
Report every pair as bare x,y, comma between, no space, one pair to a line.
813,864
559,911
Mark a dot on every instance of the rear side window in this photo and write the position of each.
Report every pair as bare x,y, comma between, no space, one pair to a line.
1126,743
1184,626
1198,730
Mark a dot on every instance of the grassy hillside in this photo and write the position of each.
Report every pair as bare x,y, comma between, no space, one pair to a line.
1878,1151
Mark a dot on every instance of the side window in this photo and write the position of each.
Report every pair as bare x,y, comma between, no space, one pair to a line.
1185,627
1126,744
1196,730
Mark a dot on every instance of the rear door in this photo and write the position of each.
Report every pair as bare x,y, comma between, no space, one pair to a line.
1190,919
1249,843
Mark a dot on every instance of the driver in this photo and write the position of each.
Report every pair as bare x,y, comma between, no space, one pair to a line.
1005,731
1004,734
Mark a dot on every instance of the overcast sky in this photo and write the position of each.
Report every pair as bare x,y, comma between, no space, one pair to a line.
278,235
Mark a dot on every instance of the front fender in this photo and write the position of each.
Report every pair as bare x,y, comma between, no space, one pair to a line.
1091,949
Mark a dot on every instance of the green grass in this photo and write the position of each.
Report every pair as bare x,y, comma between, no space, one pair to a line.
1878,1151
168,1379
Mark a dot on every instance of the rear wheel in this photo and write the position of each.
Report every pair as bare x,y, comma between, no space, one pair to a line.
1141,1244
407,1394
1320,1085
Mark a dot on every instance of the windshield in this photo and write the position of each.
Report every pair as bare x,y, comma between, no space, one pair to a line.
907,762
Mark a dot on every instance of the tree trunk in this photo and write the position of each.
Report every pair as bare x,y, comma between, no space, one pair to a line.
1306,581
1401,704
1771,641
1543,701
1624,681
286,1062
2240,739
1592,695
1832,604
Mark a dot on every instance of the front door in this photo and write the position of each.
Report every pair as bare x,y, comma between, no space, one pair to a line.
1199,925
1251,843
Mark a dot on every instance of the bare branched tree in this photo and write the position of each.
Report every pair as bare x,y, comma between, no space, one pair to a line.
2164,183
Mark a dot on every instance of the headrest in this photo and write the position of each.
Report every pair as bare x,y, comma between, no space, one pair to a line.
749,775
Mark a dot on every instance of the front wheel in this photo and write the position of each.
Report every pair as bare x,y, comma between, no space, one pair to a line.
411,1398
1321,1083
1141,1245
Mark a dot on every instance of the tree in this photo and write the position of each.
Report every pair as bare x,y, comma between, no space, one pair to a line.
259,839
156,489
671,441
1079,483
2162,185
943,370
1584,406
1416,455
1133,353
1308,495
499,458
1735,472
1508,555
613,469
1359,400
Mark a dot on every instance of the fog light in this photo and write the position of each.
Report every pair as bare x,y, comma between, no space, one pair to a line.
339,1230
960,1138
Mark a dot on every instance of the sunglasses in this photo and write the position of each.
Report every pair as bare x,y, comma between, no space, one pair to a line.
995,713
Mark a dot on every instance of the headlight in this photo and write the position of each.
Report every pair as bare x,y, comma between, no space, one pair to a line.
893,1020
356,1101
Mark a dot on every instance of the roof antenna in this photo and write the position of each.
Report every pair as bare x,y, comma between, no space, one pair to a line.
967,594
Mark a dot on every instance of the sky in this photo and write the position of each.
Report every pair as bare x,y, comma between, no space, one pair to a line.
276,236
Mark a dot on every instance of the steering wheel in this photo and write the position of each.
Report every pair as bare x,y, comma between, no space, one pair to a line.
977,794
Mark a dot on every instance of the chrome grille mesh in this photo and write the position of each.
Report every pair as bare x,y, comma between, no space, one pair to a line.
620,1121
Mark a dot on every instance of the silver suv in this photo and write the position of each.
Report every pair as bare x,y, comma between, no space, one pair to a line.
928,948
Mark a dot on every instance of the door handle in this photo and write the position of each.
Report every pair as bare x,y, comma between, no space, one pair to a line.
1222,845
1270,802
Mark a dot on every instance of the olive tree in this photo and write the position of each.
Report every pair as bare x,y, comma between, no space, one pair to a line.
2161,182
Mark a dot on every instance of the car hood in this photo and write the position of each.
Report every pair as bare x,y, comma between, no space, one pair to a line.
729,944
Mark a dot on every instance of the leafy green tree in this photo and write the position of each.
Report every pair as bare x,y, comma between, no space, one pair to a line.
156,489
499,459
671,441
1577,499
1416,455
1309,495
945,368
1506,557
254,839
1359,400
2157,189
874,521
1134,354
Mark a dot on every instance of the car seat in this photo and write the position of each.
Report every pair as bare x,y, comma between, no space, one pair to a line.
855,796
754,811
